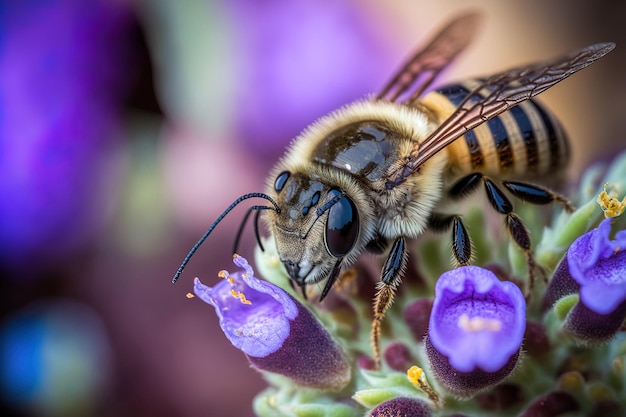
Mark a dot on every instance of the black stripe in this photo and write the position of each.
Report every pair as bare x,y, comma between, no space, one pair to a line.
502,142
553,139
476,155
456,93
528,134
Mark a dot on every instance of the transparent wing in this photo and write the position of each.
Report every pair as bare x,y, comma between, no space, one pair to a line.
420,71
493,96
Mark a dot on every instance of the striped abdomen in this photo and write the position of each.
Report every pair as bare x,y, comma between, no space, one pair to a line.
525,141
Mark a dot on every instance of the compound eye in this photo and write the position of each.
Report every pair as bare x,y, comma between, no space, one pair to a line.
342,226
282,178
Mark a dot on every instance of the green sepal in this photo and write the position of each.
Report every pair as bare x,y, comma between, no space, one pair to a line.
565,305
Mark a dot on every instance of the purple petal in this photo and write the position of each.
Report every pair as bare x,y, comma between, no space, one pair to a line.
598,264
258,328
477,322
278,334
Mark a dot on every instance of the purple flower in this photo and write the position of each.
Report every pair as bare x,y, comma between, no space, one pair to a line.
277,334
595,267
476,329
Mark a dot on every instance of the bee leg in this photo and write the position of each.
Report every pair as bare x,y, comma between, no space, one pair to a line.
391,276
465,185
514,225
461,242
536,194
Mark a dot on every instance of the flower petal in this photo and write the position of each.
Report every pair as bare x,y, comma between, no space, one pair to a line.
258,327
278,334
477,320
598,265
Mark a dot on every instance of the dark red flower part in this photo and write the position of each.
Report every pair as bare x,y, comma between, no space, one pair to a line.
366,362
417,315
561,284
402,407
536,341
590,326
552,405
501,397
308,356
398,356
465,384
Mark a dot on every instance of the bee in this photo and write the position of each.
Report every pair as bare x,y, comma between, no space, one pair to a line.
377,172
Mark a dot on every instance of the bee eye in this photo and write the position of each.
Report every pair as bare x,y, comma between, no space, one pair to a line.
342,226
282,178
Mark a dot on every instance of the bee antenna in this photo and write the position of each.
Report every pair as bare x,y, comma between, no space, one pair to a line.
329,204
195,247
256,228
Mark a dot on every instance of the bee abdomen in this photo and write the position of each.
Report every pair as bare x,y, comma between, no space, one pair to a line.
526,140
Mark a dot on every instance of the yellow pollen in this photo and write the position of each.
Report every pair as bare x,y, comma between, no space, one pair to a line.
222,274
477,324
189,295
243,299
417,377
414,374
610,204
231,280
240,296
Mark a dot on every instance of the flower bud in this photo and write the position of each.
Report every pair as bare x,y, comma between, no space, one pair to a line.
552,405
398,356
401,407
595,267
416,316
277,333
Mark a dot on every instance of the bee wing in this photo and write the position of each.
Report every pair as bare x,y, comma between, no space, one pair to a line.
427,63
493,96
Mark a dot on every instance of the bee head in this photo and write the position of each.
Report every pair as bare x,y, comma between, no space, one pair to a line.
318,227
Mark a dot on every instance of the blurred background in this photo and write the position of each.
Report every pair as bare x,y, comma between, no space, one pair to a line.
126,127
